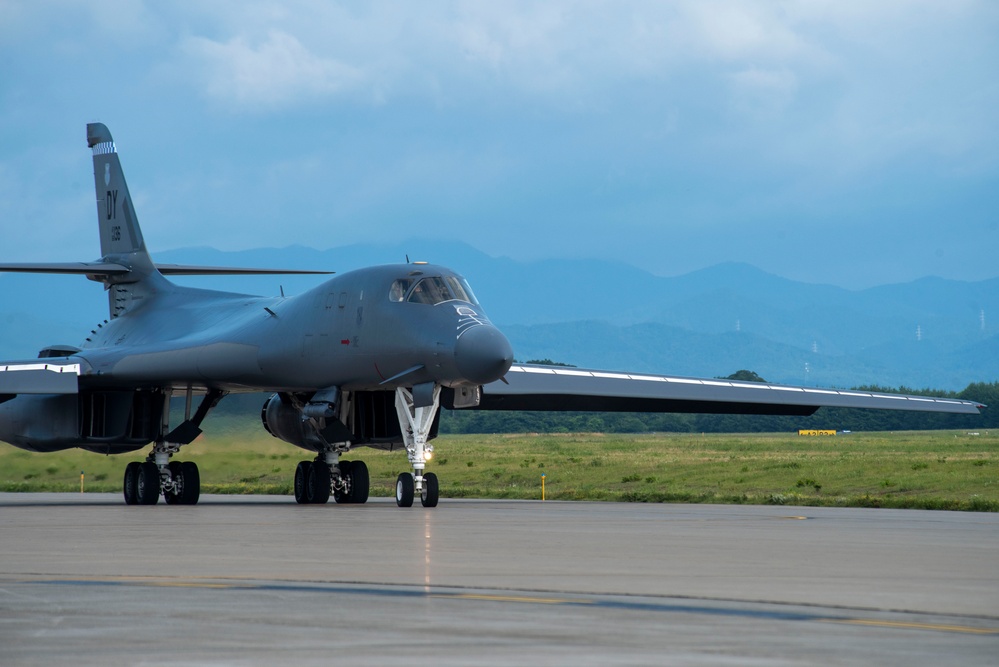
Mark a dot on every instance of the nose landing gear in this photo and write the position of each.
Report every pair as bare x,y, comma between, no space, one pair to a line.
416,418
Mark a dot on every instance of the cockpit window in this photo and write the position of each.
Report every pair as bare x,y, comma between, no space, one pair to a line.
460,289
399,288
430,291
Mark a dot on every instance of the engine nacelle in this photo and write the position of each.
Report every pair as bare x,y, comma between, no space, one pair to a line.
369,420
286,422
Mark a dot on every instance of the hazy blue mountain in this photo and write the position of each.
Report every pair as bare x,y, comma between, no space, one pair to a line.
612,315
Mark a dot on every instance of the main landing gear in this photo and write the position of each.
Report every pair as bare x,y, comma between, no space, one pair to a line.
178,482
346,481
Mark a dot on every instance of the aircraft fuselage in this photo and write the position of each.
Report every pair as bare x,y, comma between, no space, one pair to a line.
346,332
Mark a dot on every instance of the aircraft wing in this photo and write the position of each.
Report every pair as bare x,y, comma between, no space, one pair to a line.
557,388
38,377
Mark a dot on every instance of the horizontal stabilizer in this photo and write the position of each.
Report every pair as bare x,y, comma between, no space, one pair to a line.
111,269
558,388
190,270
39,378
81,268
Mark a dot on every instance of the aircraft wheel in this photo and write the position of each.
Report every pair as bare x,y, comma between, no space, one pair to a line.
302,482
191,491
147,486
318,487
431,490
343,497
176,472
359,482
130,483
405,490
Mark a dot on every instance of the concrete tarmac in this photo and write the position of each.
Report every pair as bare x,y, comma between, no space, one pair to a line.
259,580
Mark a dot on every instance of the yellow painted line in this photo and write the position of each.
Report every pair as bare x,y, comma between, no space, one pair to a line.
914,626
511,598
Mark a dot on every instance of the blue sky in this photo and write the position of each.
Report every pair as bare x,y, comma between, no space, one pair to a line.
851,143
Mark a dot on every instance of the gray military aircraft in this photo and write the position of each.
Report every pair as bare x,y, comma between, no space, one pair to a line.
364,359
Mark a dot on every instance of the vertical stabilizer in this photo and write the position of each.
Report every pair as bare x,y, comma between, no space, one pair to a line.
121,238
119,226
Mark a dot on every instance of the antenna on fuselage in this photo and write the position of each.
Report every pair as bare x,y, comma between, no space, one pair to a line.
281,287
407,258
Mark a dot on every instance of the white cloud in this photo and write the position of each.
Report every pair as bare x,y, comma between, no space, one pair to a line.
277,72
547,51
522,107
736,31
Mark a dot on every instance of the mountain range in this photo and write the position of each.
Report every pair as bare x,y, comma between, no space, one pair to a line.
931,332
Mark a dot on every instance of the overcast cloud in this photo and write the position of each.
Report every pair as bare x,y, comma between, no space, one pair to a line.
853,143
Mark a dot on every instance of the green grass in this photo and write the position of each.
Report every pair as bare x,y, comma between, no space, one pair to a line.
932,469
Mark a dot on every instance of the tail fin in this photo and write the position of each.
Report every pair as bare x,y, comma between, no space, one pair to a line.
119,226
125,267
121,238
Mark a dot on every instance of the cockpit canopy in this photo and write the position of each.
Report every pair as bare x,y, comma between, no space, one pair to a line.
432,290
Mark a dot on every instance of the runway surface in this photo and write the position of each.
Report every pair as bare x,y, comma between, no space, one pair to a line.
261,581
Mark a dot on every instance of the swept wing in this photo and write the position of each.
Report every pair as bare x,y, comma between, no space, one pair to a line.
533,387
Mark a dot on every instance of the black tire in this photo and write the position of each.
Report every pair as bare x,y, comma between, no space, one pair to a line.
344,497
431,490
191,491
130,482
359,482
318,488
177,473
147,486
302,482
405,489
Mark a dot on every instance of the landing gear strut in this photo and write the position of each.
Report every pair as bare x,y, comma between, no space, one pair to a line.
416,421
178,482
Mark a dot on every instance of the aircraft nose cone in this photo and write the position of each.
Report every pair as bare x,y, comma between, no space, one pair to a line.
483,354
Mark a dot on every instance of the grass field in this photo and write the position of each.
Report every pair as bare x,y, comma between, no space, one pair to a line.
923,469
